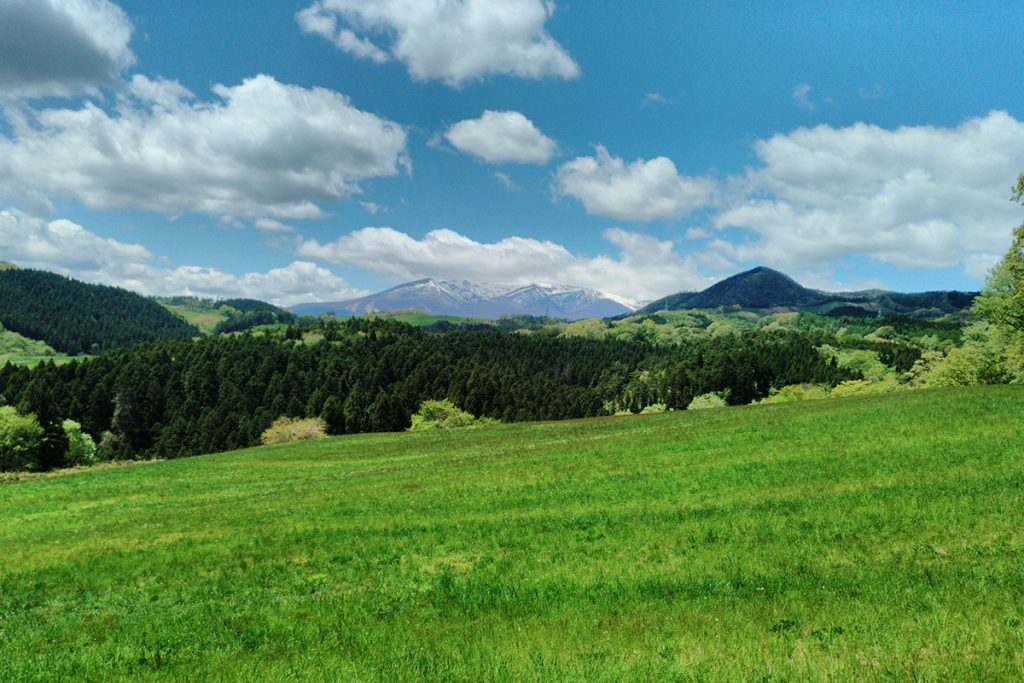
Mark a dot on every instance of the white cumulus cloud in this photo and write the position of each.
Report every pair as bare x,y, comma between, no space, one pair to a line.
262,148
64,247
643,268
916,196
643,190
501,137
61,47
298,282
450,40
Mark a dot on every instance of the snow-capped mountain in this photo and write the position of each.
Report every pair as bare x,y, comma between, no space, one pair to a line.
482,300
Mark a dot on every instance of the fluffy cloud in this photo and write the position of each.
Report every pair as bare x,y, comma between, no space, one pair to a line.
61,47
261,148
645,267
644,190
64,247
501,137
454,41
298,282
920,197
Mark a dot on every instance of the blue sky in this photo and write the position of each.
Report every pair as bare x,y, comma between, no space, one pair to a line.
319,150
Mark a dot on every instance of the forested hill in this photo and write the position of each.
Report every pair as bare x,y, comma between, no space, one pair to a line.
764,288
75,317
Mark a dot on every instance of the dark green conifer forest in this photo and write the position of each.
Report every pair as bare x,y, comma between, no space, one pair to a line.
186,397
74,317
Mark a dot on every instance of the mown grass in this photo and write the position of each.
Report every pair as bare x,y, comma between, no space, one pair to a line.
875,538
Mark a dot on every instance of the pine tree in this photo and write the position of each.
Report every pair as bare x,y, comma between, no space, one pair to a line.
52,452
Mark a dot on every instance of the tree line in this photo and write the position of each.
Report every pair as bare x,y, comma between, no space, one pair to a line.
186,397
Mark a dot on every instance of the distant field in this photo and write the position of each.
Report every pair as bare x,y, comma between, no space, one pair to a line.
19,350
205,320
32,361
875,538
424,319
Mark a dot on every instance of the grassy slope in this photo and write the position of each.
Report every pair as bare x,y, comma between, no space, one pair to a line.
849,539
205,319
425,319
21,350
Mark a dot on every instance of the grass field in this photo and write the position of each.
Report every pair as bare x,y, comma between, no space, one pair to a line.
426,319
206,319
874,538
19,350
33,360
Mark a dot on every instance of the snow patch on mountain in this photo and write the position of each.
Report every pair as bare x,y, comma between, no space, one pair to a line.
484,300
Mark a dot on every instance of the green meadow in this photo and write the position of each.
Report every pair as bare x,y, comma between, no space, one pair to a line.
877,538
421,319
20,350
206,318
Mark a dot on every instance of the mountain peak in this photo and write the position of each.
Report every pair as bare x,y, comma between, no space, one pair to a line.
759,287
763,269
483,300
764,288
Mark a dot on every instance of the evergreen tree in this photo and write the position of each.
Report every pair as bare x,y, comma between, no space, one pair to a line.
333,415
53,449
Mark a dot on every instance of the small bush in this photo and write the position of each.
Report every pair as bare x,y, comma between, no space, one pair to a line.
445,415
21,438
654,408
81,447
863,387
705,401
797,392
288,429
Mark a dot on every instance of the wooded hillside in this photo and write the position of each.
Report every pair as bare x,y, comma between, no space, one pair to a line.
74,317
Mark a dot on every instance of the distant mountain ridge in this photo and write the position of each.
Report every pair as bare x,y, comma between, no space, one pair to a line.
481,300
764,288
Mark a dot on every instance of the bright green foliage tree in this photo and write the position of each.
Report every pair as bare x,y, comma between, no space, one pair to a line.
442,415
21,437
923,367
1002,302
705,401
864,387
81,447
798,392
981,360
